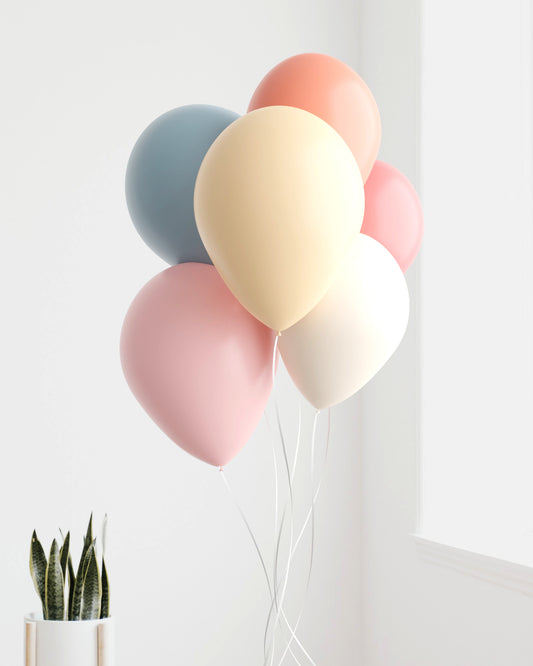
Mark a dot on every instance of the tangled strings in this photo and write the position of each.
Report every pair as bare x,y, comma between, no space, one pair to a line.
280,635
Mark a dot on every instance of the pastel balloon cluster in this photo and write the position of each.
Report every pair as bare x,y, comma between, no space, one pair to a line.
280,221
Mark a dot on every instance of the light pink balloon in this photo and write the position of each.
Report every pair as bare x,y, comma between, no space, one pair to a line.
197,361
393,213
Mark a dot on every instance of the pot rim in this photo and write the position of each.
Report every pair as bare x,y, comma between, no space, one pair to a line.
38,618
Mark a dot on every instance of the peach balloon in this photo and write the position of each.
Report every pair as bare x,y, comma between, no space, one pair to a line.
278,200
332,91
197,361
393,213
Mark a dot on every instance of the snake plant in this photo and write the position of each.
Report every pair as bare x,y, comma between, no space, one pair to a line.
64,593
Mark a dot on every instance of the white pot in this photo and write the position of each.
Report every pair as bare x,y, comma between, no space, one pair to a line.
73,643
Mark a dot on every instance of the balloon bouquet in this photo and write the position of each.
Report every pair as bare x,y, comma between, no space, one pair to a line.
282,231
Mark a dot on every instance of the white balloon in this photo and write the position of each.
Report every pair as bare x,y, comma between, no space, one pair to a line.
347,338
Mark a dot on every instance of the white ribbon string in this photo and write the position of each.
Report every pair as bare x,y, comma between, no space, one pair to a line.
277,587
276,491
278,539
256,545
274,457
317,491
297,440
279,603
312,545
274,601
250,531
276,341
312,514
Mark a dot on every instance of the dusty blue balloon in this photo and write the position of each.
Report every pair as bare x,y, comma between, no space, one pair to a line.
160,179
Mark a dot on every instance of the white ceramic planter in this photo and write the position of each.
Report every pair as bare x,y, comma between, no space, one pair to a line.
81,643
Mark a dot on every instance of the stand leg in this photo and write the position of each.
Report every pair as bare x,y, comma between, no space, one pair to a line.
31,644
104,645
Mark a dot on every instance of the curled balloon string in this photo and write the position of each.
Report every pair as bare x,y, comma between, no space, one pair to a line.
275,460
248,527
291,554
273,589
301,534
276,494
276,341
276,491
257,548
254,540
297,440
278,533
317,491
292,550
279,602
276,474
312,545
312,513
274,601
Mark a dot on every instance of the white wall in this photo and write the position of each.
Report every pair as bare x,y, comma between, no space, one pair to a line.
477,287
79,83
416,613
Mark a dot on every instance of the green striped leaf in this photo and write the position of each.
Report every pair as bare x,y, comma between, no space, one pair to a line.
71,583
64,555
80,577
92,589
38,569
74,607
89,534
104,607
54,586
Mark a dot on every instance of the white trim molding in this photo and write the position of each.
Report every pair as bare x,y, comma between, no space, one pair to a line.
514,576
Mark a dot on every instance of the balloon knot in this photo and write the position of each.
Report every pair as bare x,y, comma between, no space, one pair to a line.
220,469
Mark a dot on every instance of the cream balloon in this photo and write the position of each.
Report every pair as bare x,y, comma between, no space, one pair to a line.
278,200
343,342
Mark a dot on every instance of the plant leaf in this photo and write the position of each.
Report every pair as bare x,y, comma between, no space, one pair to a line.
71,584
54,586
104,607
64,555
38,569
80,577
89,535
75,592
92,589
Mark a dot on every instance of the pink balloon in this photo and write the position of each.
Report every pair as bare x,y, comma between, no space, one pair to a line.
393,213
197,361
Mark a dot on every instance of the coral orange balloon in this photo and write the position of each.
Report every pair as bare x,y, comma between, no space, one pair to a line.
331,90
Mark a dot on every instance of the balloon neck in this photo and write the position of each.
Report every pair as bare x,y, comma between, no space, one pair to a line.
220,469
278,334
